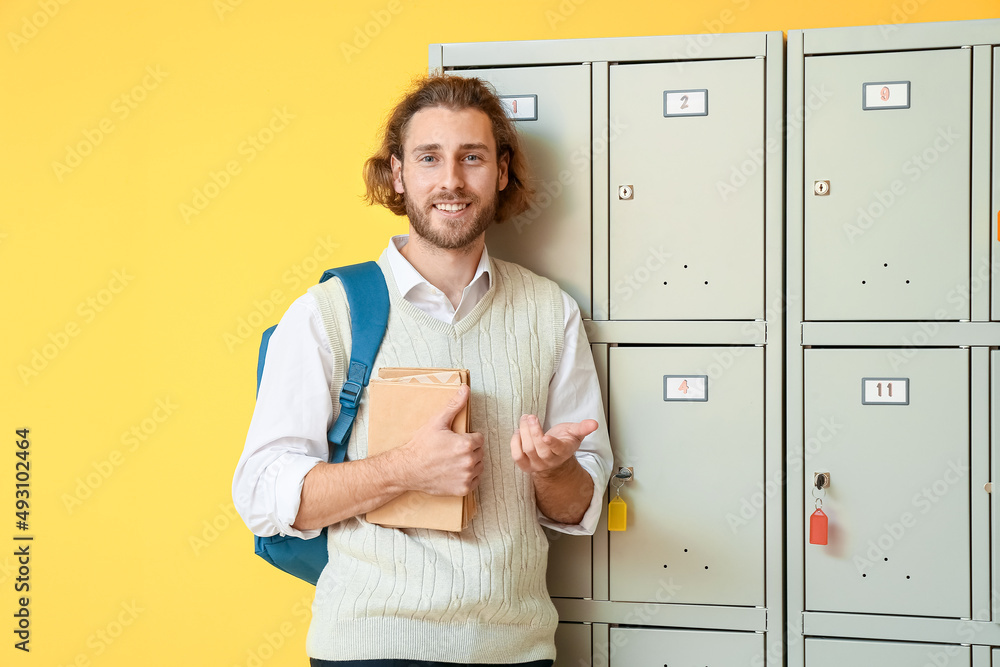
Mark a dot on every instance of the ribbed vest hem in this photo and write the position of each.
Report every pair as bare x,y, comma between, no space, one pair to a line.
388,638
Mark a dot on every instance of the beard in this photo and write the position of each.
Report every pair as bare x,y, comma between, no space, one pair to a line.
451,234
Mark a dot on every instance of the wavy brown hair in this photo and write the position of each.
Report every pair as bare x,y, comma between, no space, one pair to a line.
455,93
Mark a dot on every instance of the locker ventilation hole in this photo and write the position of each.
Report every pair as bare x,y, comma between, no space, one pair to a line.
907,576
863,282
864,575
886,560
706,282
706,567
885,265
907,282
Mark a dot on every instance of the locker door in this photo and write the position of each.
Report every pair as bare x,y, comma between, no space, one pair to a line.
574,645
695,529
687,235
552,238
839,652
889,237
995,266
899,496
643,647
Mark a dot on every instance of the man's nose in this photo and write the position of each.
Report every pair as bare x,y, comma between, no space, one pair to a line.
452,178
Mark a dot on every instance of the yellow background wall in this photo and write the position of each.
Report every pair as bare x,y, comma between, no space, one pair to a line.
172,176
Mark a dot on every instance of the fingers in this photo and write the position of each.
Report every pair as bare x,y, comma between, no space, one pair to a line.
444,418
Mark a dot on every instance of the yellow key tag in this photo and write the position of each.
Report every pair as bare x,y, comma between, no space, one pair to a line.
616,513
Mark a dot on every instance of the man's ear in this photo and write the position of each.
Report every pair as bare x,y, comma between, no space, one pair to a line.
397,174
502,178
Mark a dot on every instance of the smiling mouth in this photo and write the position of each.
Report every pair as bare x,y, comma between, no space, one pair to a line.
449,208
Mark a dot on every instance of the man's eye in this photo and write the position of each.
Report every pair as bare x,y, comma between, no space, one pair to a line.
473,158
426,158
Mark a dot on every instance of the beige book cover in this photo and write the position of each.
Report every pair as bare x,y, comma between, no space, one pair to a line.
402,400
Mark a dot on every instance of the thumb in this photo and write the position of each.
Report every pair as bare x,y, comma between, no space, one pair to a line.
458,401
584,428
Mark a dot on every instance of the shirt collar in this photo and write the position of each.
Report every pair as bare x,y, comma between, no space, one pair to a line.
408,277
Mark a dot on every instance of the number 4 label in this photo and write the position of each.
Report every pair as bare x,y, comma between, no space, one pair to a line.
885,391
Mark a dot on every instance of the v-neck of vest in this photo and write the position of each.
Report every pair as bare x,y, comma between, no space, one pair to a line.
456,330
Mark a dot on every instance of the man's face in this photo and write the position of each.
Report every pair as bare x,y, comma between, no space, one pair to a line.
449,175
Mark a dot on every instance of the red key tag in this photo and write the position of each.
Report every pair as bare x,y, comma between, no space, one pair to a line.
818,527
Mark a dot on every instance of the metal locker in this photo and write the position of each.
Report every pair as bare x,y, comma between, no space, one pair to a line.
887,185
689,421
857,653
687,190
574,645
995,209
645,647
892,441
553,237
570,573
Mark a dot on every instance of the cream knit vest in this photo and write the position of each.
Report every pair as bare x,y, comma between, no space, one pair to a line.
474,596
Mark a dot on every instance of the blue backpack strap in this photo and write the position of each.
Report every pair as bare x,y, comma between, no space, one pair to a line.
262,353
368,301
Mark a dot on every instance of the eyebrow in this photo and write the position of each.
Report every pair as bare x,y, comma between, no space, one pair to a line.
436,147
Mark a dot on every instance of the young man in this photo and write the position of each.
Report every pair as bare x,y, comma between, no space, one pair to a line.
537,454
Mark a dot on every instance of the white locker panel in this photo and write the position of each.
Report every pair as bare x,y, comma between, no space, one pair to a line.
687,190
898,501
647,647
553,237
574,645
695,530
858,653
887,185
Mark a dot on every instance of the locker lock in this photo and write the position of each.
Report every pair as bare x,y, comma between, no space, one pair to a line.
821,480
821,188
624,474
625,192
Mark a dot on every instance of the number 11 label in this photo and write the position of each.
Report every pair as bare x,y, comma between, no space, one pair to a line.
885,391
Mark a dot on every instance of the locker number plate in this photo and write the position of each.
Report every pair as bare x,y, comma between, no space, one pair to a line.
520,107
885,391
685,387
886,95
685,103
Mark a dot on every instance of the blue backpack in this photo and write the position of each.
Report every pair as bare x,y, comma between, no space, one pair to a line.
367,294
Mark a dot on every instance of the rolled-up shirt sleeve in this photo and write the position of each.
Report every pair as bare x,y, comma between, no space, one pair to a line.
575,395
287,434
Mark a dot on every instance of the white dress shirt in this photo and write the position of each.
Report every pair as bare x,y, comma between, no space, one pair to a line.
288,432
